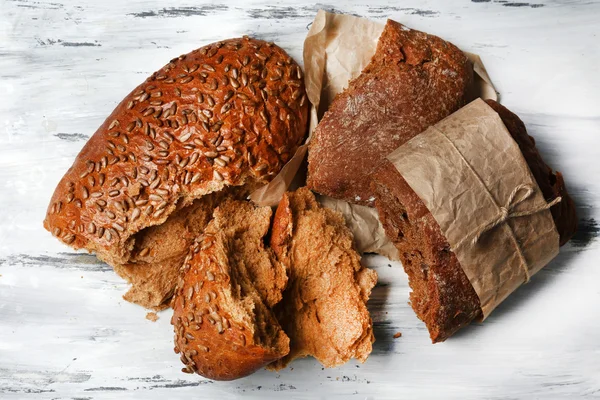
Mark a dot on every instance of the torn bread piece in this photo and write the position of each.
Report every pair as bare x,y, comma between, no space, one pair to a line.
160,250
323,310
224,325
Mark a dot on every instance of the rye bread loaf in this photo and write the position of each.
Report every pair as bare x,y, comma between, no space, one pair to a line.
227,114
323,310
442,295
224,324
413,81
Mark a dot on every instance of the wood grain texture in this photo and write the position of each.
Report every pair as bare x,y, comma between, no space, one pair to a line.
65,332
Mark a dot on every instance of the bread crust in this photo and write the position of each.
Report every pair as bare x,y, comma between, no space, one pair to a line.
226,114
413,81
442,295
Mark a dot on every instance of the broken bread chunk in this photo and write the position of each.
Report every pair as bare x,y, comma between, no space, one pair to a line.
159,250
323,310
224,326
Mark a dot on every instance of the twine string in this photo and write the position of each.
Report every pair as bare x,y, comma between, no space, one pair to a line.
505,213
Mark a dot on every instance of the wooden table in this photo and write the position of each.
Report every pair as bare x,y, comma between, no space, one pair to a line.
65,332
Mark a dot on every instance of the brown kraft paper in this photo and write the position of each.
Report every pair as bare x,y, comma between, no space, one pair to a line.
473,178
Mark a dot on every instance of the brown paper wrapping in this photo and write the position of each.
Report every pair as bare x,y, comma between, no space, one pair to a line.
336,49
464,168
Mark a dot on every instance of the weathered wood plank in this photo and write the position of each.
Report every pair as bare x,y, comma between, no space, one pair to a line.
65,332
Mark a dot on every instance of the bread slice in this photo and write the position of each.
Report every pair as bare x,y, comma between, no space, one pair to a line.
323,310
413,81
442,295
224,326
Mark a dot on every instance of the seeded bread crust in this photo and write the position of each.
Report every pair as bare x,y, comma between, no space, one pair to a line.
323,310
224,326
413,81
227,114
442,295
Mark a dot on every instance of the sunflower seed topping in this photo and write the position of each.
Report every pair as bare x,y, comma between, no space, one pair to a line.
195,178
155,197
135,214
208,67
185,136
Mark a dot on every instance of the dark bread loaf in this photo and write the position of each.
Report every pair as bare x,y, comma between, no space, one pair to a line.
224,326
442,295
413,81
227,114
323,310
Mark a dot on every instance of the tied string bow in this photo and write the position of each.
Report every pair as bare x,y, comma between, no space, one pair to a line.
507,212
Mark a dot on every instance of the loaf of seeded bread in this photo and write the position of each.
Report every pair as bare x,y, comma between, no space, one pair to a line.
229,114
413,81
241,305
442,295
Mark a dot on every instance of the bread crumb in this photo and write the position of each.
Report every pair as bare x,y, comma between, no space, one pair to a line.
134,190
397,335
152,316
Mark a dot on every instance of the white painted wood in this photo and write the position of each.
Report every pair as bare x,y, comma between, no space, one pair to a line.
65,332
